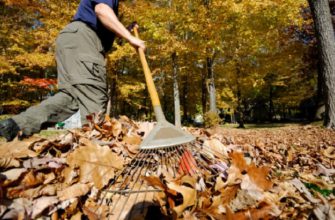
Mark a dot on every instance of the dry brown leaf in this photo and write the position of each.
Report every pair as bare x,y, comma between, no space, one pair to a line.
73,191
322,170
42,190
302,189
243,200
330,152
41,145
52,162
310,178
77,216
116,127
228,194
13,174
3,209
145,128
132,139
18,149
259,176
189,197
96,164
217,148
189,216
264,211
238,161
234,176
20,192
40,204
157,183
95,211
219,184
71,175
8,163
20,208
33,178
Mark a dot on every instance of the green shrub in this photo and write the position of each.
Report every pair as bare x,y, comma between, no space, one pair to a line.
211,119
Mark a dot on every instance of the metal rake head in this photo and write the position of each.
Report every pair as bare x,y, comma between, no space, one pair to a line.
165,135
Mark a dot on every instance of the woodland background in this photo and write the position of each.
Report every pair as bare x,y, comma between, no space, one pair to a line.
255,58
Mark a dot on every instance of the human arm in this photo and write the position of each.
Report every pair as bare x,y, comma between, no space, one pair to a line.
108,18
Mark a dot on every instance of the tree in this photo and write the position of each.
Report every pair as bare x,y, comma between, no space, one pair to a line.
326,41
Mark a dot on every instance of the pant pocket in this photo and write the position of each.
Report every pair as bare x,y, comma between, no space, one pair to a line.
94,69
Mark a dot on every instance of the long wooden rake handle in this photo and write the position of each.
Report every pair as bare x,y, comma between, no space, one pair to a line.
150,83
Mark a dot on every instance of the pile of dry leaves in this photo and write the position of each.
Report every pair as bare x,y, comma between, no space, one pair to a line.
284,173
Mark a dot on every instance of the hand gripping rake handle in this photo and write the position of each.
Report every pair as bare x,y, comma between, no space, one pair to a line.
150,83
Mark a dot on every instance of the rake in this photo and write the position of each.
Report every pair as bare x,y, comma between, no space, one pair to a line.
166,150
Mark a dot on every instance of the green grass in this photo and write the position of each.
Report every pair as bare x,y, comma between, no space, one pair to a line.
260,126
51,133
2,117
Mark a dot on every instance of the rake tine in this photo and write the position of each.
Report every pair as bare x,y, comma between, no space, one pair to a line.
139,174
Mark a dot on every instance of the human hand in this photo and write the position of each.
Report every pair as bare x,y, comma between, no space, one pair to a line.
137,43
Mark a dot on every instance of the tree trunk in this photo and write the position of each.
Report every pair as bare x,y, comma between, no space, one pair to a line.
204,92
185,97
211,86
239,113
176,97
271,110
326,41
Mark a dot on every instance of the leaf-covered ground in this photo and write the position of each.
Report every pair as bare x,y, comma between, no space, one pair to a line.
277,173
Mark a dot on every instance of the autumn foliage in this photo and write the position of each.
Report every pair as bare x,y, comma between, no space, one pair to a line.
258,174
257,54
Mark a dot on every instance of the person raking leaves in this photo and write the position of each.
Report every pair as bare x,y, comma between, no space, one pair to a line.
81,48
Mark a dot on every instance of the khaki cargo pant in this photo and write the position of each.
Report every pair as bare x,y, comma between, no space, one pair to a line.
81,80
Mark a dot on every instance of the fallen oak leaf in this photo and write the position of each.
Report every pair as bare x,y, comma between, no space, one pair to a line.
157,183
243,200
324,171
189,197
116,127
259,176
96,164
18,149
132,139
7,162
40,204
216,147
263,211
31,180
73,191
51,162
12,174
95,211
229,193
20,208
238,161
329,152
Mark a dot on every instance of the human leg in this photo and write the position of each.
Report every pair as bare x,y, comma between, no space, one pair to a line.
54,109
90,99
